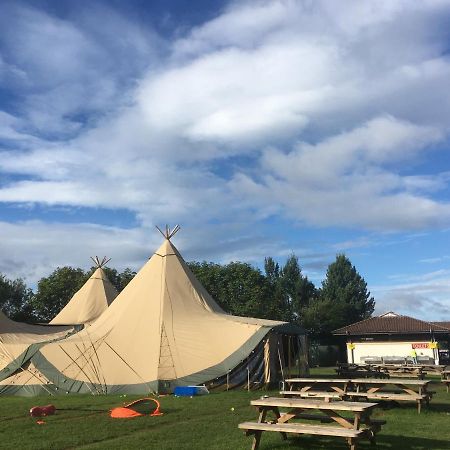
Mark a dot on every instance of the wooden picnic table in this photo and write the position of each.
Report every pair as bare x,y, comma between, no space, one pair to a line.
402,370
362,370
391,389
383,370
350,420
315,387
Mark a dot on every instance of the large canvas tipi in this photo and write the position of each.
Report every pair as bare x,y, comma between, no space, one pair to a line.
90,301
162,331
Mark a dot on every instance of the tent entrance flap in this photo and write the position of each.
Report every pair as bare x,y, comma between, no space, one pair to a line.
266,364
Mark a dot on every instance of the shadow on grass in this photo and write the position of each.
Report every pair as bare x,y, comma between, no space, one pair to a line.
382,442
411,443
439,407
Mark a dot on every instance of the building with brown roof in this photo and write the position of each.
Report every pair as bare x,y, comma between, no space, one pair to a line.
392,337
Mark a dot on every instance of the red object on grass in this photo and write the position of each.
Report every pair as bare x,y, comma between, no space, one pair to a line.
127,411
40,411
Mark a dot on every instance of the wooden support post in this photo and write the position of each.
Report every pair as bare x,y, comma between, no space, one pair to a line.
257,435
256,440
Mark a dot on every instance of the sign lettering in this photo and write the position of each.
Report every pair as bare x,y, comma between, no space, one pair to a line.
420,345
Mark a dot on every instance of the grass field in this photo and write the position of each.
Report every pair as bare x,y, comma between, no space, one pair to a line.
206,422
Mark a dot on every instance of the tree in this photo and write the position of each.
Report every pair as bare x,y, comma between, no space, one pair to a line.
278,303
272,270
246,289
55,291
241,289
15,299
118,279
210,276
343,299
298,288
124,278
237,287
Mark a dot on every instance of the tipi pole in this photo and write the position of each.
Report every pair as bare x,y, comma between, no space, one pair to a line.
168,233
248,379
289,356
279,359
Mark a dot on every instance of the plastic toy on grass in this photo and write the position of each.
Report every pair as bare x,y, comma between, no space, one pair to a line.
42,411
137,408
189,391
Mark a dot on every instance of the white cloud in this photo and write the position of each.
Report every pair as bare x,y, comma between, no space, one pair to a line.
34,248
347,180
425,296
438,259
308,110
66,70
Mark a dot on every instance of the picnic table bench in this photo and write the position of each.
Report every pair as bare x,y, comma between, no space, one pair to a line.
315,388
359,370
353,370
358,426
431,368
400,371
396,390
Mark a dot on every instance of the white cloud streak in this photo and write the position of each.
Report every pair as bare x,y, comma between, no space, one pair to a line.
424,296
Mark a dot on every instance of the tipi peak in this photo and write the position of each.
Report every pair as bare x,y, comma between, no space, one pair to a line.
168,233
99,264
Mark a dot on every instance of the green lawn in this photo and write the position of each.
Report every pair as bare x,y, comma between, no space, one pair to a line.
204,422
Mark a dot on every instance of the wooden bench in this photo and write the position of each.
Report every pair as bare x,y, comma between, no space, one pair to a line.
331,385
387,395
359,370
420,399
397,390
413,374
324,419
256,428
312,394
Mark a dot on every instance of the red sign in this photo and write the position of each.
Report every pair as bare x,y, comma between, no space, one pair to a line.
420,345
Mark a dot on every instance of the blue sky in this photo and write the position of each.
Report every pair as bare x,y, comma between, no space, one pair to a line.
262,128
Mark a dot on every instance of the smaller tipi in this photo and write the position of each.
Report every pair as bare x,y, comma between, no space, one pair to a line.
90,301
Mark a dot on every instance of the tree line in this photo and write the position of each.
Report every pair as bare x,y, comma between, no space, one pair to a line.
277,293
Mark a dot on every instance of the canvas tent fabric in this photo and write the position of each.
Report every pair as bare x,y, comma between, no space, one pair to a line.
18,341
89,302
27,380
163,330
